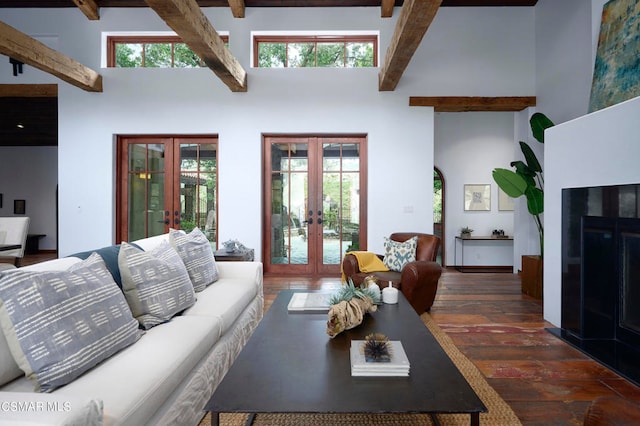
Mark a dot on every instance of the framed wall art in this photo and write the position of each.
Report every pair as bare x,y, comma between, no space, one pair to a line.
477,197
19,207
505,203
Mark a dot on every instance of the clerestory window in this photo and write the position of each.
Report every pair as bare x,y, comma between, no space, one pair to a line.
146,51
287,51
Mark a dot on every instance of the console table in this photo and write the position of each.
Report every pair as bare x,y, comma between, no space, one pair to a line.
235,256
463,241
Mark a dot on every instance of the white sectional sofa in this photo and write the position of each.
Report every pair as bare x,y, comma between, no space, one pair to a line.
165,377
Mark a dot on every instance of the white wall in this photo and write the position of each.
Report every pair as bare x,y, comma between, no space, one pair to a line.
35,182
564,57
468,146
284,101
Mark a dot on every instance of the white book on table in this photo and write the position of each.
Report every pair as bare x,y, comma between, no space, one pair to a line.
309,302
398,365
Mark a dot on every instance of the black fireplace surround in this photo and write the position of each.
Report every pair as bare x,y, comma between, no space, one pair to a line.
601,275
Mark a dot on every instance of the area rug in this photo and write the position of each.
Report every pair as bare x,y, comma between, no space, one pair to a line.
499,414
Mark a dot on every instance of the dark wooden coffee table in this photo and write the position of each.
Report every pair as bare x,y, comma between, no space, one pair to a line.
290,365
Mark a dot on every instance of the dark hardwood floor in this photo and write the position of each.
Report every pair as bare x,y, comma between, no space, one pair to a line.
502,332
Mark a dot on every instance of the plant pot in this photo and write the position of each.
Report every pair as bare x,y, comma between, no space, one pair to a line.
465,235
531,277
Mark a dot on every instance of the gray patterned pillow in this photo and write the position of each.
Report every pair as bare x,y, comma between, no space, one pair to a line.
155,283
196,253
399,254
60,324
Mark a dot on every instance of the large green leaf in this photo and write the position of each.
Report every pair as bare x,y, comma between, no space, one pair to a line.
510,182
535,200
539,123
530,156
522,169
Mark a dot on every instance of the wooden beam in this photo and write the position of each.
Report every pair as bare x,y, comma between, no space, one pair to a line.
30,51
188,21
237,8
386,8
413,22
473,103
28,90
89,8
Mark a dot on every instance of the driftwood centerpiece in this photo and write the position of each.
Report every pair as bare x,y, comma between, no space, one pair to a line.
348,307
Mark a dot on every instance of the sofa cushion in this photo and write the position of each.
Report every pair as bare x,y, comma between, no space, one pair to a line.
226,299
397,254
136,383
156,283
196,253
59,324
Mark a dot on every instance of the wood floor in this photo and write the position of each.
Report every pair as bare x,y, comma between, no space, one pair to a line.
502,332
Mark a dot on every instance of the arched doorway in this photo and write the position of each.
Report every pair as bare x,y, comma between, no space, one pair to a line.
438,212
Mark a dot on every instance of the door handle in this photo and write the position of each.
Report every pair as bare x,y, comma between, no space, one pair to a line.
166,221
309,221
176,221
319,221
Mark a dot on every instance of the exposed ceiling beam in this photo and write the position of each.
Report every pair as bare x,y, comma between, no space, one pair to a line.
386,8
188,21
28,90
19,46
89,8
237,8
413,22
473,103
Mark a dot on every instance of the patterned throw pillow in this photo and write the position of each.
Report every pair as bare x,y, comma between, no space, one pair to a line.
399,254
197,255
60,324
156,283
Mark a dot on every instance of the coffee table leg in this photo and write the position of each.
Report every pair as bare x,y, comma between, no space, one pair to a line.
215,418
475,419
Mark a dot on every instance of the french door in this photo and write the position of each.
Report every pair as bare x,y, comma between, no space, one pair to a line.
314,202
166,182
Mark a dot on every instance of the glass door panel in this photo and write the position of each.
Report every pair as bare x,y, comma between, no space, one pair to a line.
198,176
341,206
288,194
146,191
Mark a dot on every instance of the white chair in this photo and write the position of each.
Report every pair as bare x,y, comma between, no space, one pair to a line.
14,230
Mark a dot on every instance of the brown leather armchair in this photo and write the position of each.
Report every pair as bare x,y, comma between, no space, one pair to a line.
418,280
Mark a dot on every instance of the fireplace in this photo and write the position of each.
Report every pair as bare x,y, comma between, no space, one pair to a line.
601,275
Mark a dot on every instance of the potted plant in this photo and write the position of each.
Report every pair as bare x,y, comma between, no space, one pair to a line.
465,232
527,179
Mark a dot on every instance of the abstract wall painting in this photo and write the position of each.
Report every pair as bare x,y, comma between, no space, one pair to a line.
616,75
